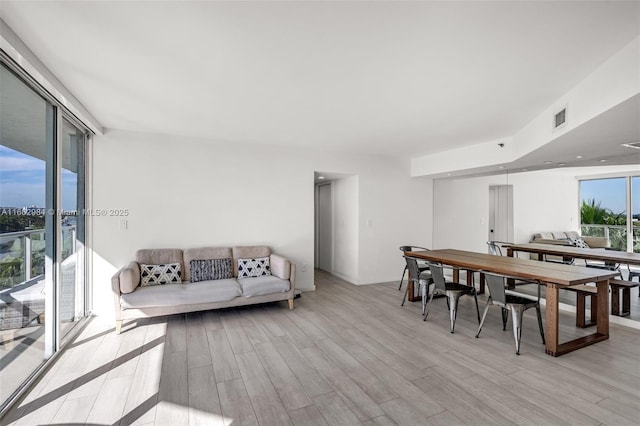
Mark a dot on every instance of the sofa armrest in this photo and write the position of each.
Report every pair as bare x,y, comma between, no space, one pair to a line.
280,266
129,277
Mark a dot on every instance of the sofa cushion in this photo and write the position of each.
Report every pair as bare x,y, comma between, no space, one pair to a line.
543,236
573,235
182,294
248,252
210,269
160,274
203,253
160,257
129,277
263,285
248,268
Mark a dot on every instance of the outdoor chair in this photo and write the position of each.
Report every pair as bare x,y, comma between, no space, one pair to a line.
452,290
509,302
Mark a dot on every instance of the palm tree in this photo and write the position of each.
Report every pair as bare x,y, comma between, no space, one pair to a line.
590,212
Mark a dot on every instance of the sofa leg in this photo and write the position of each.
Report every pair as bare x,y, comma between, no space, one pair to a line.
291,304
118,326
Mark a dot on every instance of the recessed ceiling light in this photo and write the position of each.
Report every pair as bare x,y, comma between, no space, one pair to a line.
603,161
578,156
548,162
501,167
320,177
561,164
525,170
448,174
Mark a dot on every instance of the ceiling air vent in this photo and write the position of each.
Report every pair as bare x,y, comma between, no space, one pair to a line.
560,118
635,145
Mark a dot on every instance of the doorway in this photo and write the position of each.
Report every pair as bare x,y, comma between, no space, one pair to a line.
324,227
500,213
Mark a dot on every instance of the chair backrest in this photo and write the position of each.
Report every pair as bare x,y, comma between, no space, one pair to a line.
437,273
494,248
412,248
496,283
412,266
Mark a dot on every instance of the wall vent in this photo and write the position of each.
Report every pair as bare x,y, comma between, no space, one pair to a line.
560,118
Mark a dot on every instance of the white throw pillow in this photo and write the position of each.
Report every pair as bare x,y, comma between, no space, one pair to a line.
160,274
258,267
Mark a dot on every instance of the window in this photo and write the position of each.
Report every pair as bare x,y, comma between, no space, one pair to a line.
605,212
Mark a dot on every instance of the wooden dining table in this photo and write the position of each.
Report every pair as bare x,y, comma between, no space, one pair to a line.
596,254
553,275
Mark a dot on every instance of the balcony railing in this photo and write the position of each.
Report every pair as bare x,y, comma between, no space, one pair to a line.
617,234
22,254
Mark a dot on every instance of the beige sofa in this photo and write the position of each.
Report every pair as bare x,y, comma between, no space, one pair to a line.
567,238
133,300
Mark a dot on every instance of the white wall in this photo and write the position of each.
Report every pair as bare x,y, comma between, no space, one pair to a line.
345,225
183,192
542,201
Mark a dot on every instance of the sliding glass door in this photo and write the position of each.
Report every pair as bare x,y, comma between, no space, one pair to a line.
72,230
635,212
611,208
42,230
24,143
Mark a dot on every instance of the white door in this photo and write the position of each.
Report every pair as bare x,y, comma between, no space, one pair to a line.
324,221
501,213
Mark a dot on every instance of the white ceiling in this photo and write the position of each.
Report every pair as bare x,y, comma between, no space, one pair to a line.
389,78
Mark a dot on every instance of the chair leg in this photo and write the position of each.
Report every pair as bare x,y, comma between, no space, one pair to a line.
540,323
505,318
516,316
404,272
475,296
454,309
484,315
406,290
424,288
426,310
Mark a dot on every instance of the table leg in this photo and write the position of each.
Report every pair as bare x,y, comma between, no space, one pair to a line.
456,275
603,308
551,314
482,283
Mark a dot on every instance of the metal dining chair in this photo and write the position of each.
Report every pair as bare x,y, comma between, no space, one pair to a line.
509,303
494,248
416,276
453,290
404,249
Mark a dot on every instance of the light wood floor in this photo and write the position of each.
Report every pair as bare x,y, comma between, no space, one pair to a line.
346,355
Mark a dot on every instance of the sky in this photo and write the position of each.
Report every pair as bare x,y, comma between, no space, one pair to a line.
611,193
22,181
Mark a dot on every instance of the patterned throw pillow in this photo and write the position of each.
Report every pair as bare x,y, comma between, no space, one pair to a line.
210,269
253,267
160,274
580,243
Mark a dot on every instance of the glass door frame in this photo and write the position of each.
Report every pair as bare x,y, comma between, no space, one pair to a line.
54,341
